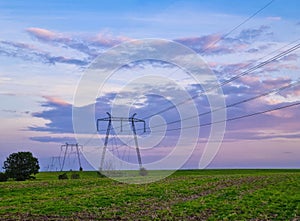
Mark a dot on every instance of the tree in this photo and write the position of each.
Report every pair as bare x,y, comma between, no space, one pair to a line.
3,177
21,165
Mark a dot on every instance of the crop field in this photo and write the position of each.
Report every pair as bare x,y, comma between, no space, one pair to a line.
185,195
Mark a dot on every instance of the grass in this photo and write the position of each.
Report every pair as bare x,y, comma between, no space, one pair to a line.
185,195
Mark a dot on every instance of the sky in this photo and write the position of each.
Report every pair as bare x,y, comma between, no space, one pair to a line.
48,48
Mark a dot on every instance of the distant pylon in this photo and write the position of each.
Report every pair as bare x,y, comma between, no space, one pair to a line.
55,164
66,147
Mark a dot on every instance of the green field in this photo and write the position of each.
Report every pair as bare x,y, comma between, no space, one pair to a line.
186,195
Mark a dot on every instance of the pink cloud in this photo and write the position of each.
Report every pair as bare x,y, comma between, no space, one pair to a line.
270,83
47,35
282,113
296,91
251,81
273,67
56,100
292,94
105,39
207,41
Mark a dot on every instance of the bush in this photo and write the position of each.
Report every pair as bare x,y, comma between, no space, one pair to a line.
20,166
3,177
63,176
75,176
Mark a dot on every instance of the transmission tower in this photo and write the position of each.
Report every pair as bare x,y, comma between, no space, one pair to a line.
54,164
132,120
69,147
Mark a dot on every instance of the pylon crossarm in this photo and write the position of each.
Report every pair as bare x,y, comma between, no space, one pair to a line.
104,119
136,120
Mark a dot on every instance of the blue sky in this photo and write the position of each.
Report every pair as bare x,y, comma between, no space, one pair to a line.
46,47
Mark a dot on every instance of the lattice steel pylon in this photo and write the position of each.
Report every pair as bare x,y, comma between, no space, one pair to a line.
66,147
131,120
55,164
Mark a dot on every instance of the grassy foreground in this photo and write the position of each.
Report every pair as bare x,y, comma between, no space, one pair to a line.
186,195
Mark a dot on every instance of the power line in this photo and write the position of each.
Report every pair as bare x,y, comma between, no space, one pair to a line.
279,49
225,35
239,25
230,119
234,118
273,91
280,55
261,58
232,30
274,58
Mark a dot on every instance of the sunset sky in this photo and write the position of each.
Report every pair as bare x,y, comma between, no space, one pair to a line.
46,47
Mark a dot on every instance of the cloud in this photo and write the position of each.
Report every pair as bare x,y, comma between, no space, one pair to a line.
290,57
59,115
283,114
15,113
278,82
55,100
261,135
107,40
254,85
295,91
28,52
51,139
54,38
218,44
259,48
61,59
101,39
252,34
279,66
91,46
204,42
280,122
46,35
20,50
9,111
224,69
211,44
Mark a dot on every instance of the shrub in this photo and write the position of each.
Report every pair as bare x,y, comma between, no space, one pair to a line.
75,176
63,176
